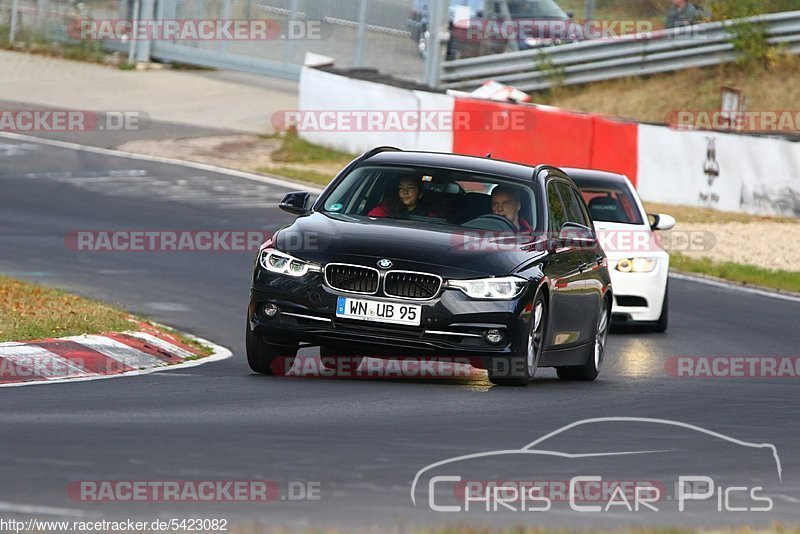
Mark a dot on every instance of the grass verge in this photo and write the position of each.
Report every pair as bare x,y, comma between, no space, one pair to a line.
301,175
30,311
298,159
766,86
34,312
692,215
296,150
736,272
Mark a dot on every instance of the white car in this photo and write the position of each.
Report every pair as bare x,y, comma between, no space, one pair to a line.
638,265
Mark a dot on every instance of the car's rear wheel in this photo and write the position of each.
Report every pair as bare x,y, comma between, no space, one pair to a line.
338,361
519,369
594,361
266,358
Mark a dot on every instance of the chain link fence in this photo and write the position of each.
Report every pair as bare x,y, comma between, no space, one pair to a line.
385,34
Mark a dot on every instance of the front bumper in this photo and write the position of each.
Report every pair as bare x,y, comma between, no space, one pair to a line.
452,324
639,296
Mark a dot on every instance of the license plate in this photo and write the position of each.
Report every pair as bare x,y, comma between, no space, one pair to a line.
381,312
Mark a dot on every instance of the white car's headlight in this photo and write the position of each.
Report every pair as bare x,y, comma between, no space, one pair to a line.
504,288
279,262
636,265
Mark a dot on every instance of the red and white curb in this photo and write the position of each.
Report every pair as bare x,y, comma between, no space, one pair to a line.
92,357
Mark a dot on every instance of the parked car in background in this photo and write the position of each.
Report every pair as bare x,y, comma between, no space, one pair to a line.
483,27
639,266
493,262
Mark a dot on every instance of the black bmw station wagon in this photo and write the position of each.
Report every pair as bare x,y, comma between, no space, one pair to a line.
435,256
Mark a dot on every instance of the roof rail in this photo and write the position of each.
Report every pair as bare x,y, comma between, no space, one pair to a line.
369,153
540,168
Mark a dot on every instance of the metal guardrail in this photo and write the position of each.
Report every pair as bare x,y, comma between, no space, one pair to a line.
701,45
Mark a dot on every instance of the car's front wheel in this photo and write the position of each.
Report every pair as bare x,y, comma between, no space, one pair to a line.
662,324
268,359
591,369
519,369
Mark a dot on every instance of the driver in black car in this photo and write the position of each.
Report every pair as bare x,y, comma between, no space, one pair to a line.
506,202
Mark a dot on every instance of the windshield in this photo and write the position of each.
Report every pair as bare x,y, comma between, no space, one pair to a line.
535,9
434,196
611,203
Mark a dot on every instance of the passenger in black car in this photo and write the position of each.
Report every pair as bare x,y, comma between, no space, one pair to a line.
406,201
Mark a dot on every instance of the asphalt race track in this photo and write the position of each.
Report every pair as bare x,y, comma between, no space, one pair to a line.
362,441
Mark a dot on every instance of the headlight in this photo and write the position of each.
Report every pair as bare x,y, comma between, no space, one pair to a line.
505,288
279,262
636,265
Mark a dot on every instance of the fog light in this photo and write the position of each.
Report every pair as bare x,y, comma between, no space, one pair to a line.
270,310
494,336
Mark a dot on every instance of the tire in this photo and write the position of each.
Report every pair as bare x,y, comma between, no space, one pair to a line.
663,320
267,359
519,369
594,360
339,362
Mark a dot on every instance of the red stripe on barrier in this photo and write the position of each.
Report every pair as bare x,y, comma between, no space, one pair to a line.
553,137
144,346
11,372
165,336
616,147
547,136
85,357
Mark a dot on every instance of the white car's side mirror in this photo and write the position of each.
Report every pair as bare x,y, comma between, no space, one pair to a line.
662,221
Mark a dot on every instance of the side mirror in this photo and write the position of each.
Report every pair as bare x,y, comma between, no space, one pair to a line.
574,235
296,203
661,221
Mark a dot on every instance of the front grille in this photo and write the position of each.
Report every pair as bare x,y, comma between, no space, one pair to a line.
352,278
410,285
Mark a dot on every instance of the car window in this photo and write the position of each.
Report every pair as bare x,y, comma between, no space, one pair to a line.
555,208
572,205
535,9
432,195
611,203
582,205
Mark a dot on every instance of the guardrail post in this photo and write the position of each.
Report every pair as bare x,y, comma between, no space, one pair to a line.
226,15
438,20
361,34
134,32
288,43
41,13
12,30
146,14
